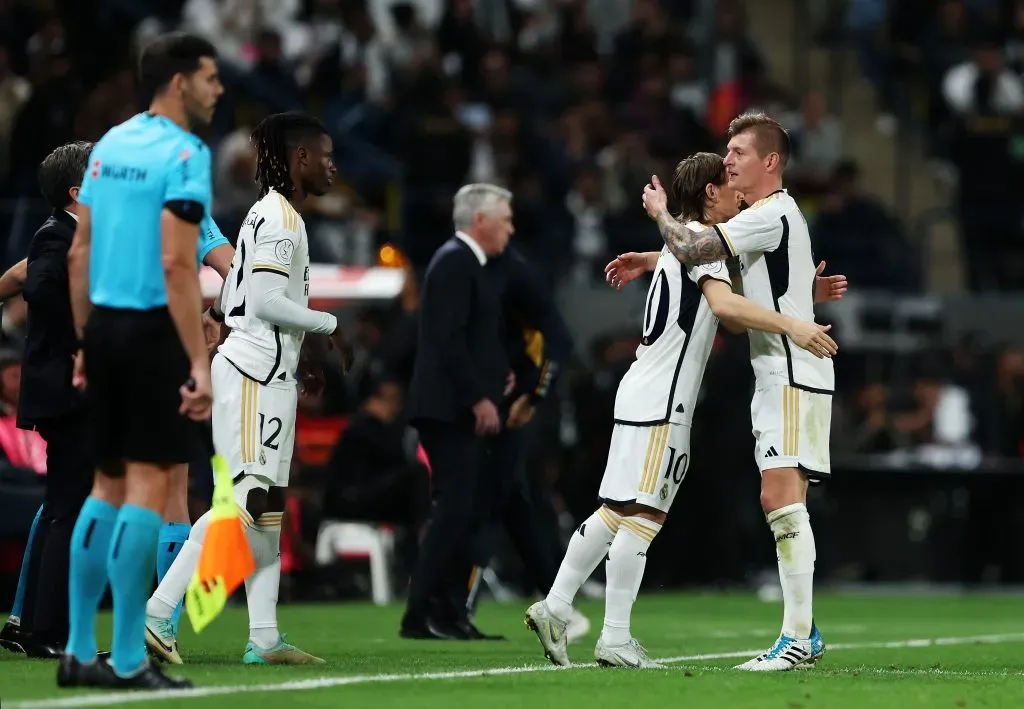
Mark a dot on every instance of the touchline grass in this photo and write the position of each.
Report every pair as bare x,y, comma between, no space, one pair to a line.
884,651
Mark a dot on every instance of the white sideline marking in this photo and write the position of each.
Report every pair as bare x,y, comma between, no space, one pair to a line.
110,698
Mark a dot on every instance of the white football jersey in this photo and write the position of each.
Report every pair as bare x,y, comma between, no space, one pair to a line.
774,245
272,239
662,385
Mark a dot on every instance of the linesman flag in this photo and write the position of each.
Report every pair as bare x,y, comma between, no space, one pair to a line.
226,560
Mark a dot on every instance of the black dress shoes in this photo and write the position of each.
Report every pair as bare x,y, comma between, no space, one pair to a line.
430,629
474,633
12,638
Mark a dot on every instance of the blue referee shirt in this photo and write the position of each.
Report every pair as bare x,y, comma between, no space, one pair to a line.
133,171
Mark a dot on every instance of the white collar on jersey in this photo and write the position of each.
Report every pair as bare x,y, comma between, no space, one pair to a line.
473,246
72,215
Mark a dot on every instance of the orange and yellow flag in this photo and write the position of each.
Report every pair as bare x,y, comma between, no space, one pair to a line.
226,560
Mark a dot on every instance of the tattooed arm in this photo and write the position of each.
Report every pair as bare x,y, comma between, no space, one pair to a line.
690,247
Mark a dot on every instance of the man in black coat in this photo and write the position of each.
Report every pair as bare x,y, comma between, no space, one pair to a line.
459,378
537,343
51,406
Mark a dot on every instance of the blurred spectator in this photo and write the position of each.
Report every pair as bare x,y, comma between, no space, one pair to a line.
986,100
1006,434
872,423
941,411
688,91
983,85
944,46
46,119
817,145
233,25
235,189
374,474
14,92
856,236
22,449
733,62
270,68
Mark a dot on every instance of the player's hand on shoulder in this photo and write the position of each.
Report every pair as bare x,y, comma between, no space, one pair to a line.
197,393
487,419
813,337
655,200
624,269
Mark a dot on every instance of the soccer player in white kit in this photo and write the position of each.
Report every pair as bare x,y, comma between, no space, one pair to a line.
791,410
650,446
256,376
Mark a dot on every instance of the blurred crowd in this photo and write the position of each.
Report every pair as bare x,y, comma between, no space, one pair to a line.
572,104
952,69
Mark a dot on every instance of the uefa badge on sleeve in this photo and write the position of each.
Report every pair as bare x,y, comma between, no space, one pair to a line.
664,491
284,250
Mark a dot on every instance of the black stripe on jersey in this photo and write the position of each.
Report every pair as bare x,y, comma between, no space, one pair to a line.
277,356
277,361
240,370
689,304
777,263
725,242
269,270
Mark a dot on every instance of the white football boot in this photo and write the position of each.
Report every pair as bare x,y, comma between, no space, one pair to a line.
629,654
551,631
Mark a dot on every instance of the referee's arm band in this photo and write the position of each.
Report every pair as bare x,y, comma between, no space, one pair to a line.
186,210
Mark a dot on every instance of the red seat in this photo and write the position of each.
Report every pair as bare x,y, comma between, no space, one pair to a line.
316,437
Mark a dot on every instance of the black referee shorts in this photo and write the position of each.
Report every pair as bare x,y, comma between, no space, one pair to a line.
135,365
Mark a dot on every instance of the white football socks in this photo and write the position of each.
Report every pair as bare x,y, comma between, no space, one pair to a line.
589,544
627,559
794,544
172,588
261,588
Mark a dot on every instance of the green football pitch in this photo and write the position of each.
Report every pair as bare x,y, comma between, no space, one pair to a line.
884,651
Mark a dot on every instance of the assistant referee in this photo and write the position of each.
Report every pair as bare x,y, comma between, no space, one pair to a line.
143,359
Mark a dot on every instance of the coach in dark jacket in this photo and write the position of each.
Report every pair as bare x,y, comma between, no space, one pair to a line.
537,343
459,380
50,405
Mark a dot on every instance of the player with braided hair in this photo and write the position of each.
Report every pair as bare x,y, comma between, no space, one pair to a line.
256,376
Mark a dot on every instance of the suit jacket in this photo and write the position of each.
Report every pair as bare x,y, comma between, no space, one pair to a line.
536,339
46,391
459,355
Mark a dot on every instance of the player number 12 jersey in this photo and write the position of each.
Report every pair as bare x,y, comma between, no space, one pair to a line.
272,239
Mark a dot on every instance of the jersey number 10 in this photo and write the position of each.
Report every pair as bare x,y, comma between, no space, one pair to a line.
654,322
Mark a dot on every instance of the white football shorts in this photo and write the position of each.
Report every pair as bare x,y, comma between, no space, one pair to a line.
791,430
646,465
253,424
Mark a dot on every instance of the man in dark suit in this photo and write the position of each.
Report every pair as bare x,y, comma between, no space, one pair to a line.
537,343
458,380
51,406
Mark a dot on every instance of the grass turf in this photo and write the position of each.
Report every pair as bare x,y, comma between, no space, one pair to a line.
369,665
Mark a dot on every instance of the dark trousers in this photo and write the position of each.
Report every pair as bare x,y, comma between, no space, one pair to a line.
443,568
509,504
69,477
